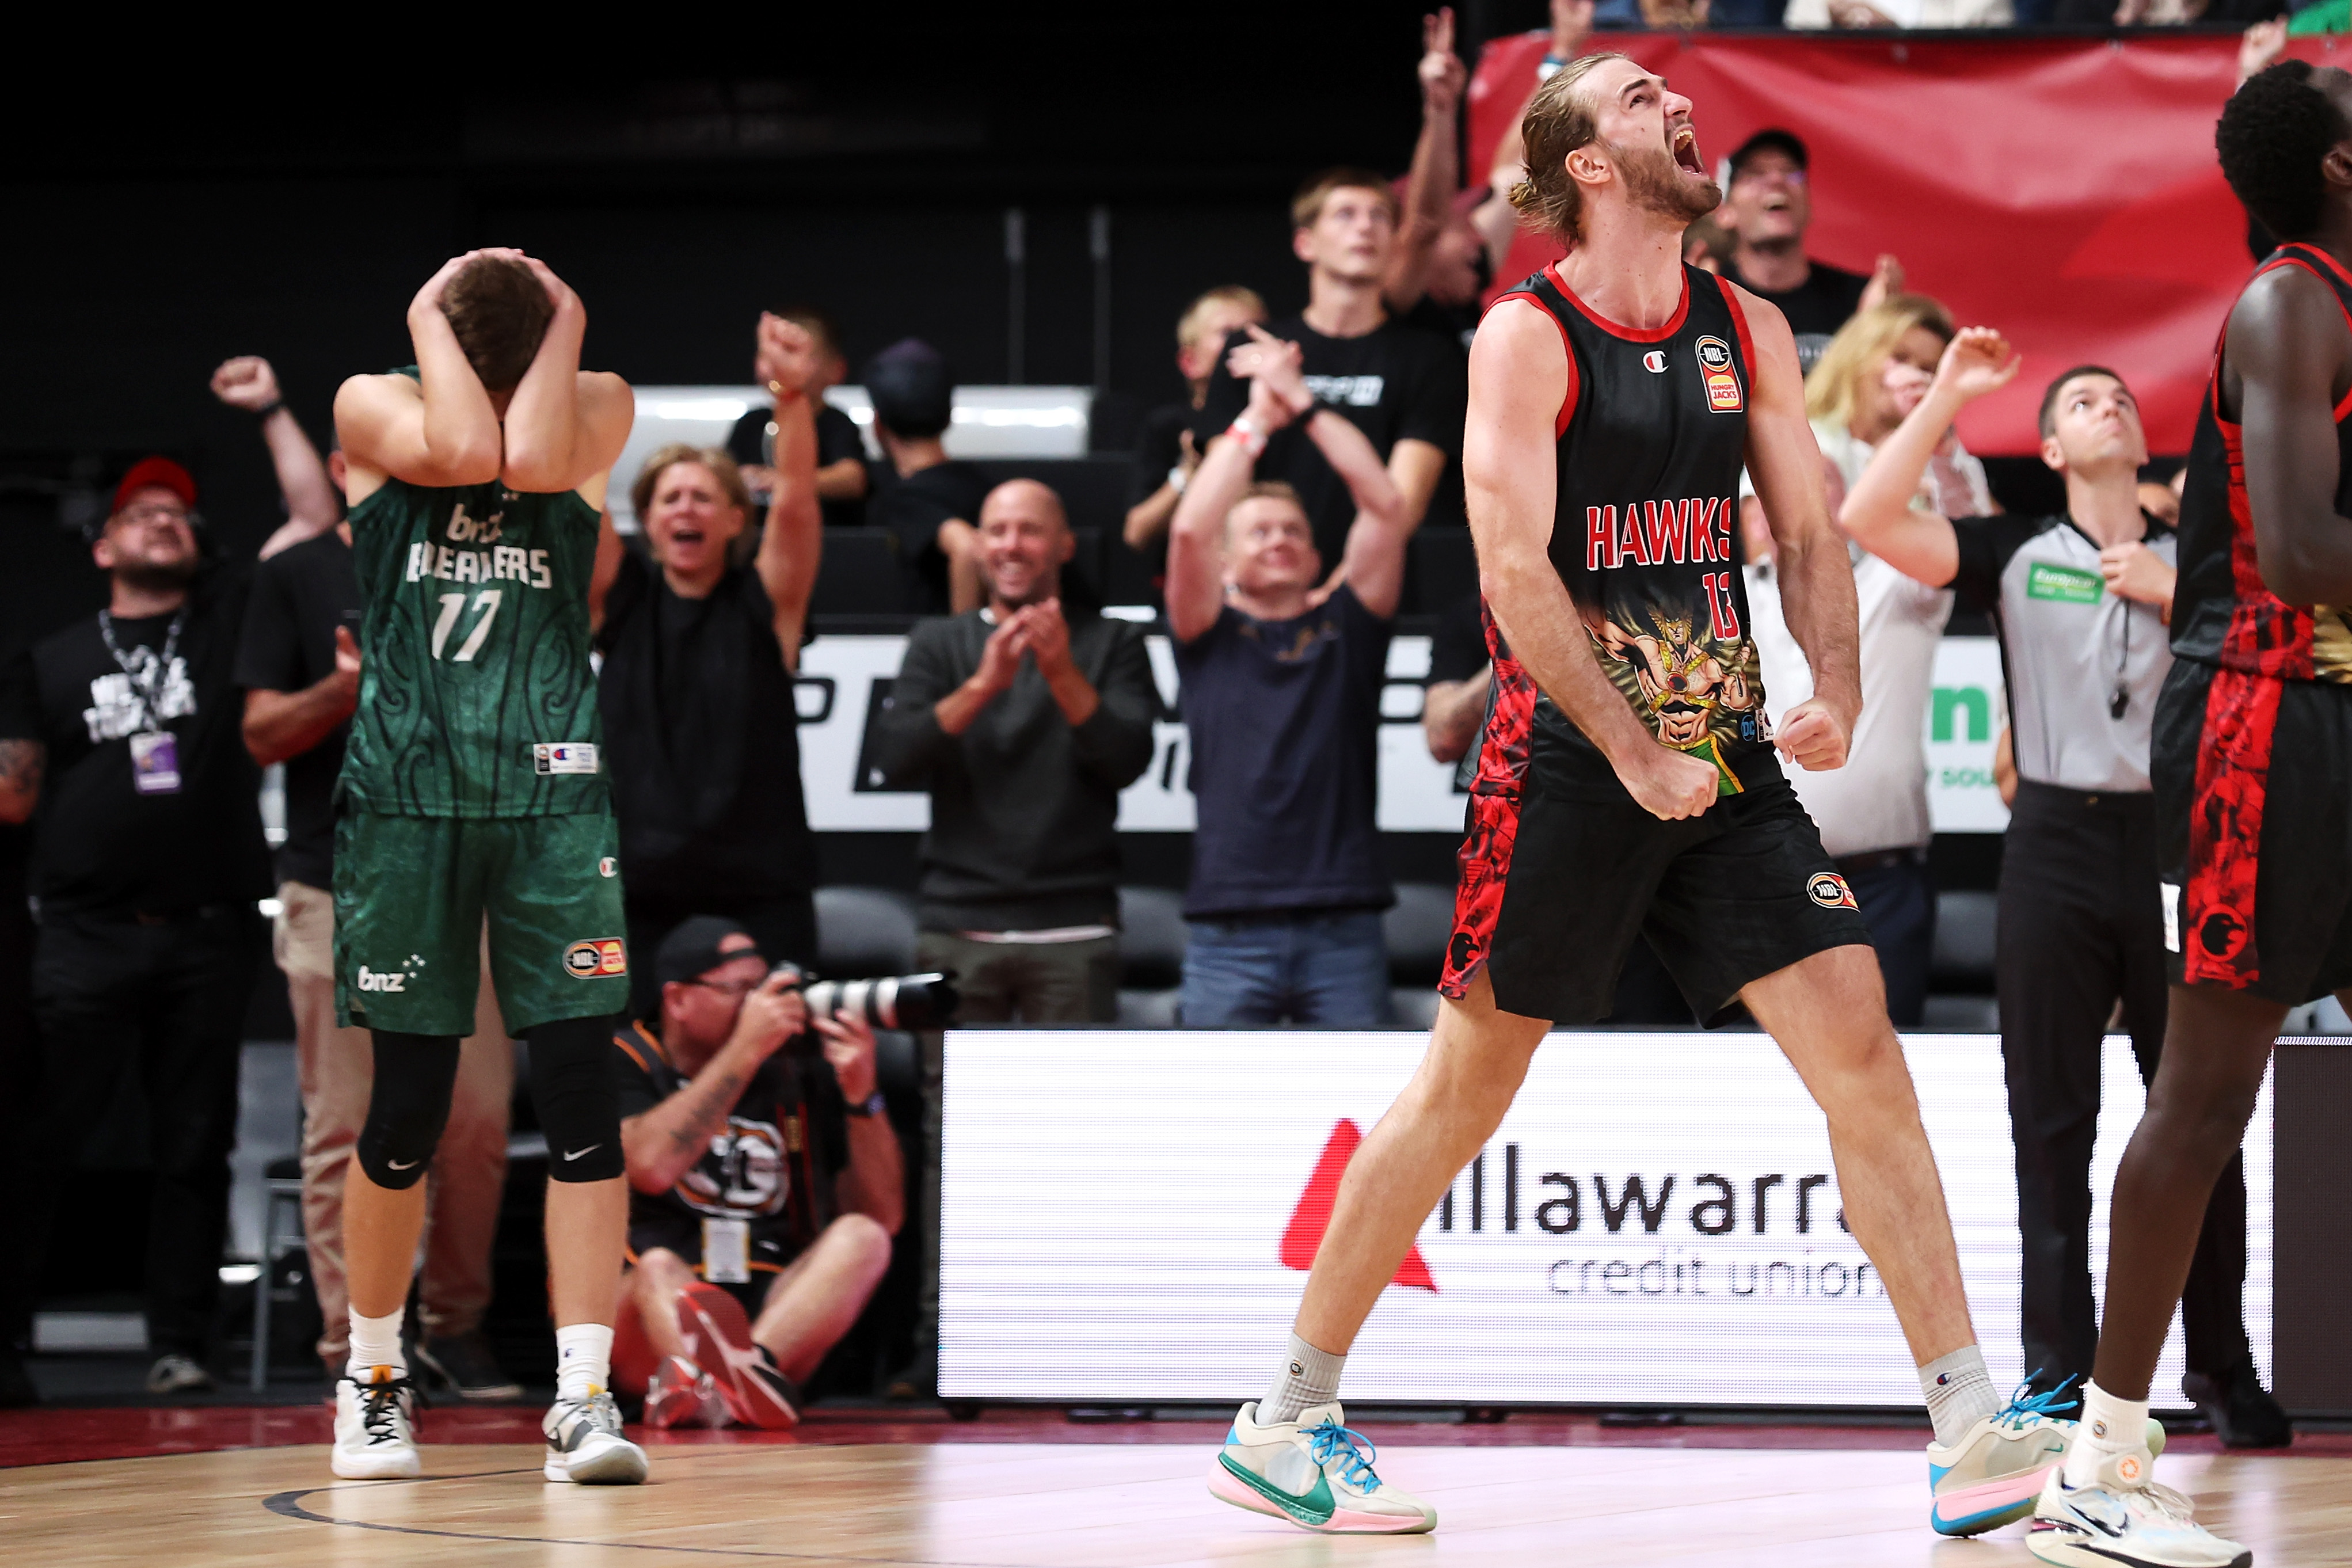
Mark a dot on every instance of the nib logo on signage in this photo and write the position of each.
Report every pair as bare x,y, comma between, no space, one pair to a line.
1313,1214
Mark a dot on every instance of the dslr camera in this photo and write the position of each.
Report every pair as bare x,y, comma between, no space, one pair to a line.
893,1002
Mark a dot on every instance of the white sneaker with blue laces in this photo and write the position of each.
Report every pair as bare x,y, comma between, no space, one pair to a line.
1315,1473
2123,1519
1996,1472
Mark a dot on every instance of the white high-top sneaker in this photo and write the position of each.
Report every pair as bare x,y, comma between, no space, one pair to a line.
375,1427
584,1444
1315,1473
2124,1517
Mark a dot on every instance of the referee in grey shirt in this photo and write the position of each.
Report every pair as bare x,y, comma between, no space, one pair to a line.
2081,604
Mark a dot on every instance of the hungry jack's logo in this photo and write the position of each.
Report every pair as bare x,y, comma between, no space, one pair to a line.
1313,1215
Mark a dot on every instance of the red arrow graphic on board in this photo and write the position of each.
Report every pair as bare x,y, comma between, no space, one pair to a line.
1313,1215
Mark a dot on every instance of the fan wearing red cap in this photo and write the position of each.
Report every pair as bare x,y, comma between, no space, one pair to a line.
148,541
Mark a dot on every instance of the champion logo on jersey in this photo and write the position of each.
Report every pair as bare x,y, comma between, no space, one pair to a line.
608,867
1715,374
1654,362
598,959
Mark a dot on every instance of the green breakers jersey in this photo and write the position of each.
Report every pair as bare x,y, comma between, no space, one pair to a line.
477,699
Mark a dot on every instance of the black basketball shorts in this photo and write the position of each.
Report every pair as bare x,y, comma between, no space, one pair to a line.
2254,831
1554,890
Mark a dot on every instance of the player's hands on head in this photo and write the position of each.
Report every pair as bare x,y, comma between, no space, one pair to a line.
1442,74
1977,360
849,1047
429,298
773,1013
1667,784
2135,572
558,292
786,359
246,382
1813,736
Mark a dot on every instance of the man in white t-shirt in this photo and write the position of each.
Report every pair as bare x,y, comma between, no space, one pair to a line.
1873,812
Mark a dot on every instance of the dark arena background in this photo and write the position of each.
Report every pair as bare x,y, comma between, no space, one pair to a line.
1636,1327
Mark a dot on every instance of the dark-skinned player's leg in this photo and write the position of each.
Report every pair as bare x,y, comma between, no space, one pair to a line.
2216,1045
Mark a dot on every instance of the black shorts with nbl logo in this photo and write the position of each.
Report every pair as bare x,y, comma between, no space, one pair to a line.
1557,882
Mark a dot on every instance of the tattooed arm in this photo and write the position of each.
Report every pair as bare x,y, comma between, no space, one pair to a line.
662,1144
20,779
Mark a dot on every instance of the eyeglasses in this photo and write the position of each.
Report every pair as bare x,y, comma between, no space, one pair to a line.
734,988
154,512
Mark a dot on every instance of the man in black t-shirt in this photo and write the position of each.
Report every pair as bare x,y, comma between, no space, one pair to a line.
765,1183
122,733
1281,695
842,480
300,665
929,501
1769,204
1401,387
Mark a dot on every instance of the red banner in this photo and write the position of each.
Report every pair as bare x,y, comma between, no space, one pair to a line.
2063,190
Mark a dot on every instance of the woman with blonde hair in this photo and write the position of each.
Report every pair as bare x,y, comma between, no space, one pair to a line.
1873,813
701,639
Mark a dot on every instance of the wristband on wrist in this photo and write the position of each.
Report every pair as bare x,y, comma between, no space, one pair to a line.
874,1106
1248,432
275,405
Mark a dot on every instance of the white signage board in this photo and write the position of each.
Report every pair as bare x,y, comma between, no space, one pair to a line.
842,675
1126,1217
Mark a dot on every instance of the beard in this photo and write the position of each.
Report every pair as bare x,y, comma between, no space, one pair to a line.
156,576
1655,182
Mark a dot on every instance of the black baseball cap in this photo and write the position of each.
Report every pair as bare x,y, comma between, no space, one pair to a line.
693,950
1774,139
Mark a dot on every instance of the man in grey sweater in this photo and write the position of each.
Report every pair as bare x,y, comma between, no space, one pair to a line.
1023,723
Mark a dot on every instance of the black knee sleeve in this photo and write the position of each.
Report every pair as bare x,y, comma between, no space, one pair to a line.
578,1104
407,1108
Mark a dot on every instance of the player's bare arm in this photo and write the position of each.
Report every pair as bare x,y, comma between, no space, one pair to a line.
436,430
1878,514
1519,378
21,763
564,427
2289,366
793,545
1816,578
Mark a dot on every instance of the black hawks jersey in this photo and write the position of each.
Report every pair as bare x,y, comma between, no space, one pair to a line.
1651,437
2222,612
477,699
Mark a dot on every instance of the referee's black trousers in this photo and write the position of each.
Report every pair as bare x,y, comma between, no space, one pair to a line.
2080,927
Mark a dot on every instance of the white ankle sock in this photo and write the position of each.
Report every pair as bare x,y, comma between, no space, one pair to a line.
1960,1393
1308,1377
583,1360
2109,1425
375,1342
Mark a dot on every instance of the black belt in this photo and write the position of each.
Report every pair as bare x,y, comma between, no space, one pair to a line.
1879,860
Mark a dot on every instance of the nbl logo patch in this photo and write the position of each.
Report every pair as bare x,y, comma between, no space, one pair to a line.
597,960
1828,890
1716,376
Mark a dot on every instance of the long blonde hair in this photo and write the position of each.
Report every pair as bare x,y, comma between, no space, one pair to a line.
1833,391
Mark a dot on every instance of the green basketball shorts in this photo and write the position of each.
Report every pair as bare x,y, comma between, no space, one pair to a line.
411,897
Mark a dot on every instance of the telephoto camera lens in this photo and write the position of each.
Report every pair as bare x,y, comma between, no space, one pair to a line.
893,1002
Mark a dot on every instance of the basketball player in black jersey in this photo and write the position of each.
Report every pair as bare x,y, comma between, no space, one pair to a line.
1627,785
2252,745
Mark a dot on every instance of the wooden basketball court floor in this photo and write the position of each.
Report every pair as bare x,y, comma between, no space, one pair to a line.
1036,1491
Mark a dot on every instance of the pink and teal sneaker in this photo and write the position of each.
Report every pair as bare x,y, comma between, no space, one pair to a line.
1314,1472
1995,1473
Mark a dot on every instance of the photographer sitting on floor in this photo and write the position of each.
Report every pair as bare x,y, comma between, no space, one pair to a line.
764,1184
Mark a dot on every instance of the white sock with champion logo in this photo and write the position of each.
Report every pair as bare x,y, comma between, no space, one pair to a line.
583,1360
1960,1393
